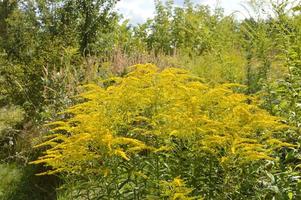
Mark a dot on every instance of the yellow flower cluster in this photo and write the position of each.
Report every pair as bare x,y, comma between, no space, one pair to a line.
176,190
147,111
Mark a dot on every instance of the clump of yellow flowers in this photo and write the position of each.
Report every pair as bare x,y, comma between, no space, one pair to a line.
150,111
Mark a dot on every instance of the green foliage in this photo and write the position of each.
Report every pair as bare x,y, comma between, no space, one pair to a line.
10,177
192,30
154,140
19,183
282,98
9,117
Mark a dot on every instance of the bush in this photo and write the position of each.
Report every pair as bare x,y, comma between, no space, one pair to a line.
150,127
10,177
9,117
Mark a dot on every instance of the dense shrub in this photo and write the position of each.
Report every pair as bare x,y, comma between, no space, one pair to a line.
151,126
10,177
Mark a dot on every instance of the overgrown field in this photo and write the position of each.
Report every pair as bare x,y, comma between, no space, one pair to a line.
192,104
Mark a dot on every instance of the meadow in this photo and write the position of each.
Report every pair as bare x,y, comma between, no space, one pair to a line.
192,104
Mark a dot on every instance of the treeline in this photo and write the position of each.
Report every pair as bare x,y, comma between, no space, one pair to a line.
49,48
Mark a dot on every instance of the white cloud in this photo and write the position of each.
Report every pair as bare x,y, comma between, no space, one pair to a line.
138,11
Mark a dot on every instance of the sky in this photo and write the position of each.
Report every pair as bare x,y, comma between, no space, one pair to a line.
138,11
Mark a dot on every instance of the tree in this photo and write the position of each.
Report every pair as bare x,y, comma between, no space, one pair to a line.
6,9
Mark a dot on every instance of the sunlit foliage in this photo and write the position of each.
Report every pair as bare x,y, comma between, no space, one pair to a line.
141,132
152,113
